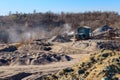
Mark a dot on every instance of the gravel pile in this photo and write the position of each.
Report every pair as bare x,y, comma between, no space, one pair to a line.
31,58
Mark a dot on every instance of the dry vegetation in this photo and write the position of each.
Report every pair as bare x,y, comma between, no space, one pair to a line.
50,20
104,64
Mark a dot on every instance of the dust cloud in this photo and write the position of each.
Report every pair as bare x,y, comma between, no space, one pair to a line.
21,33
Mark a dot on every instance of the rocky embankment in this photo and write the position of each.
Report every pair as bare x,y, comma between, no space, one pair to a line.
103,65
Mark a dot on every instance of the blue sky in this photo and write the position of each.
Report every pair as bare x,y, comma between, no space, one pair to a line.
27,6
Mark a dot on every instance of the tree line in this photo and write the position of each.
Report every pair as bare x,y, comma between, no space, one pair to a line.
50,20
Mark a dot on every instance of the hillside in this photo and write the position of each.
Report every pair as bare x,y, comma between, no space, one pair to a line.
50,20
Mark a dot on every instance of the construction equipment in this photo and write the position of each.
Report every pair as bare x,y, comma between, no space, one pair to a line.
82,33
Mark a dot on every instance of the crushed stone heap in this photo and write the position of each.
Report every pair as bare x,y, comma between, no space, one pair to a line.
31,58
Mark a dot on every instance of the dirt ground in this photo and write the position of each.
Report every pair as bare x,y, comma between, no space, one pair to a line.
68,48
77,51
6,72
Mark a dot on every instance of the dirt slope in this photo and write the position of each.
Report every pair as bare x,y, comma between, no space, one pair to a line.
103,65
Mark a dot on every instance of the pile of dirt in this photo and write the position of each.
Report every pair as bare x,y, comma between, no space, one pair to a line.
92,45
8,49
59,38
32,53
37,45
31,58
103,65
33,45
17,76
102,30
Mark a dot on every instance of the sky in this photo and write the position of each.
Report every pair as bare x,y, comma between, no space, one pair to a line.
57,6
